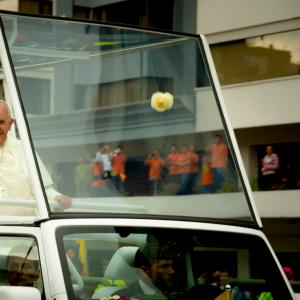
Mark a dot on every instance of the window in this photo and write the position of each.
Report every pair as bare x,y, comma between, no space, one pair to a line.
35,6
134,114
155,14
19,262
257,58
132,262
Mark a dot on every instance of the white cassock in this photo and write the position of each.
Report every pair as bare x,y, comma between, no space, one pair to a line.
15,181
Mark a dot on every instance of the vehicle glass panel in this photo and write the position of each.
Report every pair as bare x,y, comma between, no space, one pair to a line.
17,194
139,263
19,262
126,120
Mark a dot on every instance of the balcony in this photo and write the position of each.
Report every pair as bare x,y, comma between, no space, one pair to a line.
278,204
272,102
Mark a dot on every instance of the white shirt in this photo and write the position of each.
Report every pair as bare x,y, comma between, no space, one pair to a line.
105,158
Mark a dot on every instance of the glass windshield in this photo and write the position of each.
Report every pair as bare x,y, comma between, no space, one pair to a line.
139,263
125,120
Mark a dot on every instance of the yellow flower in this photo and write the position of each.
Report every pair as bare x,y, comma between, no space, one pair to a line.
162,101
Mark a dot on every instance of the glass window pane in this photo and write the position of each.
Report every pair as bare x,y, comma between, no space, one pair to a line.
168,264
258,58
19,262
126,120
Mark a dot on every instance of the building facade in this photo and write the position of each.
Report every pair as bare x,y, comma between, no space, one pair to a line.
258,64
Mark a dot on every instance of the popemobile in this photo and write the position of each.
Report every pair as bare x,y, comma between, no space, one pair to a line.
120,175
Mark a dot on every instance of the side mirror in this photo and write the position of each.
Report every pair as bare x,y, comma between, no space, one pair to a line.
19,292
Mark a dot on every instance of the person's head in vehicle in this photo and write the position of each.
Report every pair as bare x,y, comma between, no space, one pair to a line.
161,265
156,275
23,265
161,272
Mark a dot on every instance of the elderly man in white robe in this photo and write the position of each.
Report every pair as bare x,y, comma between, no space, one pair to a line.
15,181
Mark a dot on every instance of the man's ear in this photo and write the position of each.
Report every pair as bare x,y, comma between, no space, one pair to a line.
12,121
145,269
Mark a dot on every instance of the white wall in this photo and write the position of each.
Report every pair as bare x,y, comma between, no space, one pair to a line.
218,16
252,104
263,103
278,204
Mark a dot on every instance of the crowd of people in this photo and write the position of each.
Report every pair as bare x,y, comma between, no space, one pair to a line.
182,171
104,175
179,170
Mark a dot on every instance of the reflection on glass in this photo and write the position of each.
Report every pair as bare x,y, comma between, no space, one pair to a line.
125,120
20,265
168,264
258,58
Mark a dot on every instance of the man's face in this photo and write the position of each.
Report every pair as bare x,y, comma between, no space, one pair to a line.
224,278
71,253
217,140
183,148
173,149
162,273
269,150
5,124
21,272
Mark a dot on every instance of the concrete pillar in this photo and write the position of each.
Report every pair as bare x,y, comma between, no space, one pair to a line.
184,18
63,8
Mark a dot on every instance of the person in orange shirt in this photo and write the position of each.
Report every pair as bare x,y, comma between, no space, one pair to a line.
96,170
219,156
207,178
194,167
171,163
118,161
184,163
155,164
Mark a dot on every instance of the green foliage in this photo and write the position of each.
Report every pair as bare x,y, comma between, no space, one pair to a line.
227,187
254,184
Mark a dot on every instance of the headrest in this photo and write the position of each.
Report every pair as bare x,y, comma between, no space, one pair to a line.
122,264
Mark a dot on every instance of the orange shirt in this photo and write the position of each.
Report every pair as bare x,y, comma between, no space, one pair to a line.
96,169
219,153
118,163
184,162
194,162
172,160
207,177
155,165
96,172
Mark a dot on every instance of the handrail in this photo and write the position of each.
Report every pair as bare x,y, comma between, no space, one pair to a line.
80,204
26,203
